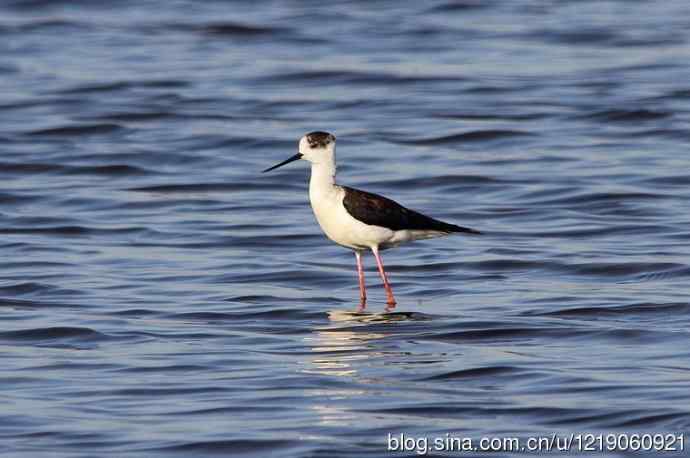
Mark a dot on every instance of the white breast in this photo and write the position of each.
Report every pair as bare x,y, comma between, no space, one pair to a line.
337,223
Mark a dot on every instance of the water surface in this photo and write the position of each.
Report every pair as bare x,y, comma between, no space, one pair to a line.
160,297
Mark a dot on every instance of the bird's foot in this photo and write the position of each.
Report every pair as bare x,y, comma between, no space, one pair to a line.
362,305
390,304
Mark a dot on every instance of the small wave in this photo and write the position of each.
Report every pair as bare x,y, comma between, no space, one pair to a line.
504,334
672,180
12,168
590,198
626,115
430,267
675,95
495,90
262,300
207,187
655,420
494,116
96,88
673,134
52,26
274,314
237,29
28,167
439,181
170,368
460,6
53,333
354,77
161,84
463,409
476,372
232,447
156,391
466,137
115,86
13,199
107,170
27,288
324,76
134,313
603,231
33,5
71,131
665,274
29,304
72,230
581,36
228,29
57,230
634,269
644,308
227,410
137,116
8,69
513,265
41,102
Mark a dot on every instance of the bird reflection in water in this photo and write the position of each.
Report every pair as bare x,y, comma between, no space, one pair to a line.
351,346
348,339
335,348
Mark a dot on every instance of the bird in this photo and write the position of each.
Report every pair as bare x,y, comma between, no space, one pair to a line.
361,220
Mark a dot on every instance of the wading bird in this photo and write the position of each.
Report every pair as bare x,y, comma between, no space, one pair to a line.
361,220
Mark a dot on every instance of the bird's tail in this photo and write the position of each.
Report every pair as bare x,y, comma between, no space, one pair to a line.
461,229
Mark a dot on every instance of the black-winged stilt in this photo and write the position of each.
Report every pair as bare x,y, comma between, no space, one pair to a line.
360,220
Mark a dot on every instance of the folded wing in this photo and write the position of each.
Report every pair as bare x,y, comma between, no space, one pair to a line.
377,210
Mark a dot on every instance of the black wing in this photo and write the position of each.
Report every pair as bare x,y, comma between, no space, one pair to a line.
377,210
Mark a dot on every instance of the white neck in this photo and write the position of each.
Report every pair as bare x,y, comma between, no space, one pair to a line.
322,177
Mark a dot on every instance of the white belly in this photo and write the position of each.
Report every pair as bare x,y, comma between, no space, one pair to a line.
342,228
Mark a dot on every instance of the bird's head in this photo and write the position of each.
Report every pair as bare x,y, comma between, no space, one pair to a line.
315,147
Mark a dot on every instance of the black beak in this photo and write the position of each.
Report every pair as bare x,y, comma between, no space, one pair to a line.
287,161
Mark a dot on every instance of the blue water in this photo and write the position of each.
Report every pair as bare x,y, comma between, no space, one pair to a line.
160,297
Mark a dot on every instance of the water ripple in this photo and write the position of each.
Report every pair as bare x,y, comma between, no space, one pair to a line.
473,136
160,296
82,129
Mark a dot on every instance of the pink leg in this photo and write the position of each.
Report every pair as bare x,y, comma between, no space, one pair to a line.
362,289
384,277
